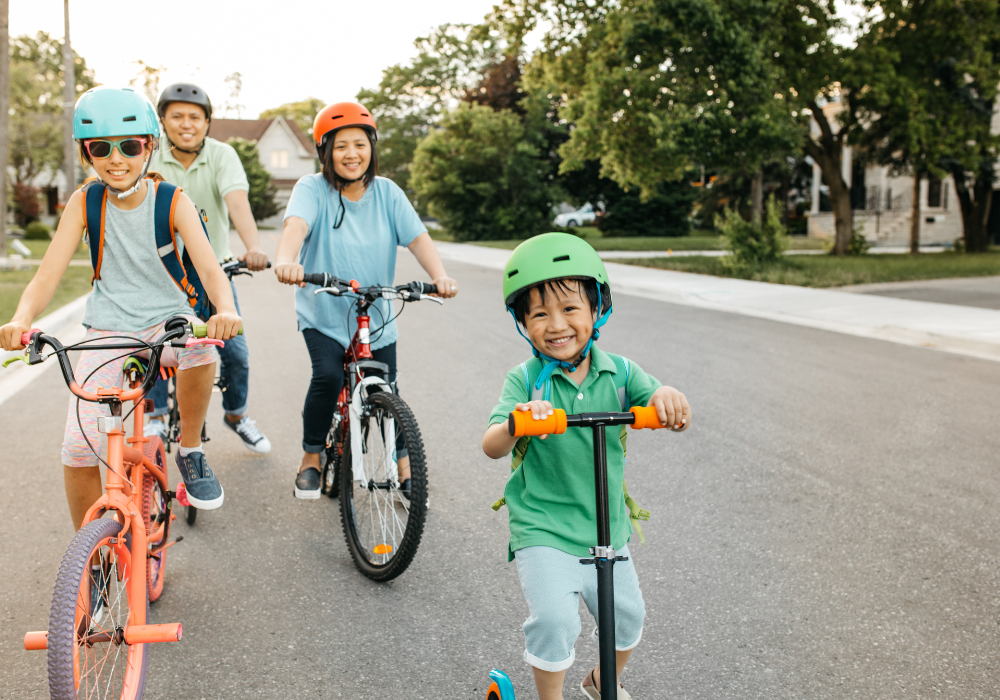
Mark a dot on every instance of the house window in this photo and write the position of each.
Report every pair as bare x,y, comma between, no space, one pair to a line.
279,159
933,192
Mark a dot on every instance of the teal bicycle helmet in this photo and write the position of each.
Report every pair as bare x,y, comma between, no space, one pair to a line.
108,112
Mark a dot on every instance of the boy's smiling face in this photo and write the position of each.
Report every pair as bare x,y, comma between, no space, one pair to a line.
561,325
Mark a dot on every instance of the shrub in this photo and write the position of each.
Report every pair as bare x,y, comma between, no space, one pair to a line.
667,213
26,204
36,231
753,246
480,175
858,245
262,191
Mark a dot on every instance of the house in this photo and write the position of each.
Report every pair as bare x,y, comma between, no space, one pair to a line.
882,202
285,152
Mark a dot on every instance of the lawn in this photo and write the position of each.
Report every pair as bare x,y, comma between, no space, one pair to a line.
700,241
38,249
830,271
75,283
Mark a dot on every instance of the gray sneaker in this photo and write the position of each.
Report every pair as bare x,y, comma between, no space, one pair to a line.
203,490
250,434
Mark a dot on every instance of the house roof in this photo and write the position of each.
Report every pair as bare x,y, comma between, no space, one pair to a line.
253,130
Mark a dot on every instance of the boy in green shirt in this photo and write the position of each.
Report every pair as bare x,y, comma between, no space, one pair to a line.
556,288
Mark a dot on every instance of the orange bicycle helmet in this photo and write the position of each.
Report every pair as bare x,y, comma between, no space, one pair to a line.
340,116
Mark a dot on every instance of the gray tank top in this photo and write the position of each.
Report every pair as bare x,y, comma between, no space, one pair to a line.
135,291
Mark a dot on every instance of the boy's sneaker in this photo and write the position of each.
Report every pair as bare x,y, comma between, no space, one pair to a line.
307,484
251,436
203,490
155,428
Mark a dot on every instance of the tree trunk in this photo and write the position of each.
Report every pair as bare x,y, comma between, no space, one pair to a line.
4,120
757,198
975,206
915,214
69,100
827,151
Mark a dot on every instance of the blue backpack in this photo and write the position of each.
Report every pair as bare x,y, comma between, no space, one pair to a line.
180,267
532,368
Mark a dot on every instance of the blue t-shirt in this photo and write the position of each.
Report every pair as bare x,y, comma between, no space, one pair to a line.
363,248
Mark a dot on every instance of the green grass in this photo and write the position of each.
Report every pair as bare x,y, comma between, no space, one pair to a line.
38,249
75,283
701,241
830,271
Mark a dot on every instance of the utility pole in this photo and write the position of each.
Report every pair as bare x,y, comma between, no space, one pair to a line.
4,121
69,101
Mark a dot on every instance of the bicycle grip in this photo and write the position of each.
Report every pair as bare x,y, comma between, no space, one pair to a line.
317,278
26,337
521,423
645,417
428,288
201,330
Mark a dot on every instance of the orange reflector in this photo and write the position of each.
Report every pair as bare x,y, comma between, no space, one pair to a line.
382,548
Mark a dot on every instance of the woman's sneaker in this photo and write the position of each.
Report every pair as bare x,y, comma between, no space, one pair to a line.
307,484
249,433
203,490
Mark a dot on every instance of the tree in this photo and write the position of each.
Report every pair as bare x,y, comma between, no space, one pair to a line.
36,104
262,190
412,97
147,79
303,112
481,176
235,83
665,213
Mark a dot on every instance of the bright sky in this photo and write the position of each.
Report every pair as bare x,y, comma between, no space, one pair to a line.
286,50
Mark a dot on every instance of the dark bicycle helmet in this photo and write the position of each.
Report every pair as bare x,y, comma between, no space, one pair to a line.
184,92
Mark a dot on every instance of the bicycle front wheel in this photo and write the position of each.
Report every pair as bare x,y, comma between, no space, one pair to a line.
383,527
87,654
155,513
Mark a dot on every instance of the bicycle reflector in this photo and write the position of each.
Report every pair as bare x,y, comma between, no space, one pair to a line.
382,549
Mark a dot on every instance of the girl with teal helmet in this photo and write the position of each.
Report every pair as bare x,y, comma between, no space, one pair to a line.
548,257
104,112
135,292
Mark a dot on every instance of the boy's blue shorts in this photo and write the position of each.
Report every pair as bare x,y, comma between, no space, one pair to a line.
552,582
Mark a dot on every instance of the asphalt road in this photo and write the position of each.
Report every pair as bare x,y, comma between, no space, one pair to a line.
826,529
983,292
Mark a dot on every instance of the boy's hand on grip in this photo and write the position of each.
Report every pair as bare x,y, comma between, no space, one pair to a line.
224,325
540,410
290,273
672,408
10,335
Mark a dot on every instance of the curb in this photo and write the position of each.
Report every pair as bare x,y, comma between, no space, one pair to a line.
963,330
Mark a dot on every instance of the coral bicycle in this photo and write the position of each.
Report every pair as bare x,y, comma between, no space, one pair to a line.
371,426
99,634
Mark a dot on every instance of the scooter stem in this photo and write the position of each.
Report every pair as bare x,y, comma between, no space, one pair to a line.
605,570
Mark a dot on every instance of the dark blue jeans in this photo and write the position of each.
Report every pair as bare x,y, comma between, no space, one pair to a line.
327,357
234,377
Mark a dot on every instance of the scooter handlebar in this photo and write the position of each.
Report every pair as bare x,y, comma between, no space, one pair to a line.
521,423
645,417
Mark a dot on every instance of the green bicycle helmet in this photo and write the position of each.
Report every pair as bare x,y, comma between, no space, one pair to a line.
551,256
105,111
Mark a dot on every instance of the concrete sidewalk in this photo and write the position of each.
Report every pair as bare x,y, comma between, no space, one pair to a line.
958,329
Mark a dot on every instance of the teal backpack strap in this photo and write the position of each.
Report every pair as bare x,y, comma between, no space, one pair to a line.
180,267
621,380
95,199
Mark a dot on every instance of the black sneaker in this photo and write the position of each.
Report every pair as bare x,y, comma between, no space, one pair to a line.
251,436
203,490
307,484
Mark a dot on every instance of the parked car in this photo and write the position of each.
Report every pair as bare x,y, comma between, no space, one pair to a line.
583,215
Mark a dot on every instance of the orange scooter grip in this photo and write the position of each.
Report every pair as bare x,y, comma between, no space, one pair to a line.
645,417
521,423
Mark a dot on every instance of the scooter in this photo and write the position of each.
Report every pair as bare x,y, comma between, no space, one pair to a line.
521,423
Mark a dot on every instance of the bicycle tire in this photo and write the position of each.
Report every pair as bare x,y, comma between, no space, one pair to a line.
154,504
115,675
330,482
360,531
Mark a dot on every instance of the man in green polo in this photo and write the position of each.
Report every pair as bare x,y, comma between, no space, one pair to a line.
211,174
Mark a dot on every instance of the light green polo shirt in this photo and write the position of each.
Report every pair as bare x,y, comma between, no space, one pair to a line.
550,498
216,172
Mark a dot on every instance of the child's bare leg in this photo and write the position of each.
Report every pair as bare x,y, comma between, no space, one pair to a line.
194,391
621,658
403,464
309,459
83,487
549,684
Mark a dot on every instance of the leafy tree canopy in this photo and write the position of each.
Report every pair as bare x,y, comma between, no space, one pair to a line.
262,190
303,113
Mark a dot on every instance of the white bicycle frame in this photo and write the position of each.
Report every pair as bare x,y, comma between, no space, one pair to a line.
357,441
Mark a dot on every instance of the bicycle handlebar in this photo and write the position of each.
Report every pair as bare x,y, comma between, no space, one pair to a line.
233,268
327,281
521,423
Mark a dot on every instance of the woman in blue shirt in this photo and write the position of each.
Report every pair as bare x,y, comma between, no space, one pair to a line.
347,222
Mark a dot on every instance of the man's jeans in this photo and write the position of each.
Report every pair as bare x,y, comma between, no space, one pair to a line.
234,377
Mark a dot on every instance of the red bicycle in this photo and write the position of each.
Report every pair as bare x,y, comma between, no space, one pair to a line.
371,427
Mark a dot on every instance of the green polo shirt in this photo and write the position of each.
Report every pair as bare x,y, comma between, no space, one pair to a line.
216,172
550,498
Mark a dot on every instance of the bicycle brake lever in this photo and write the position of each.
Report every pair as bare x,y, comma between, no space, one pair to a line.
428,297
11,360
328,290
